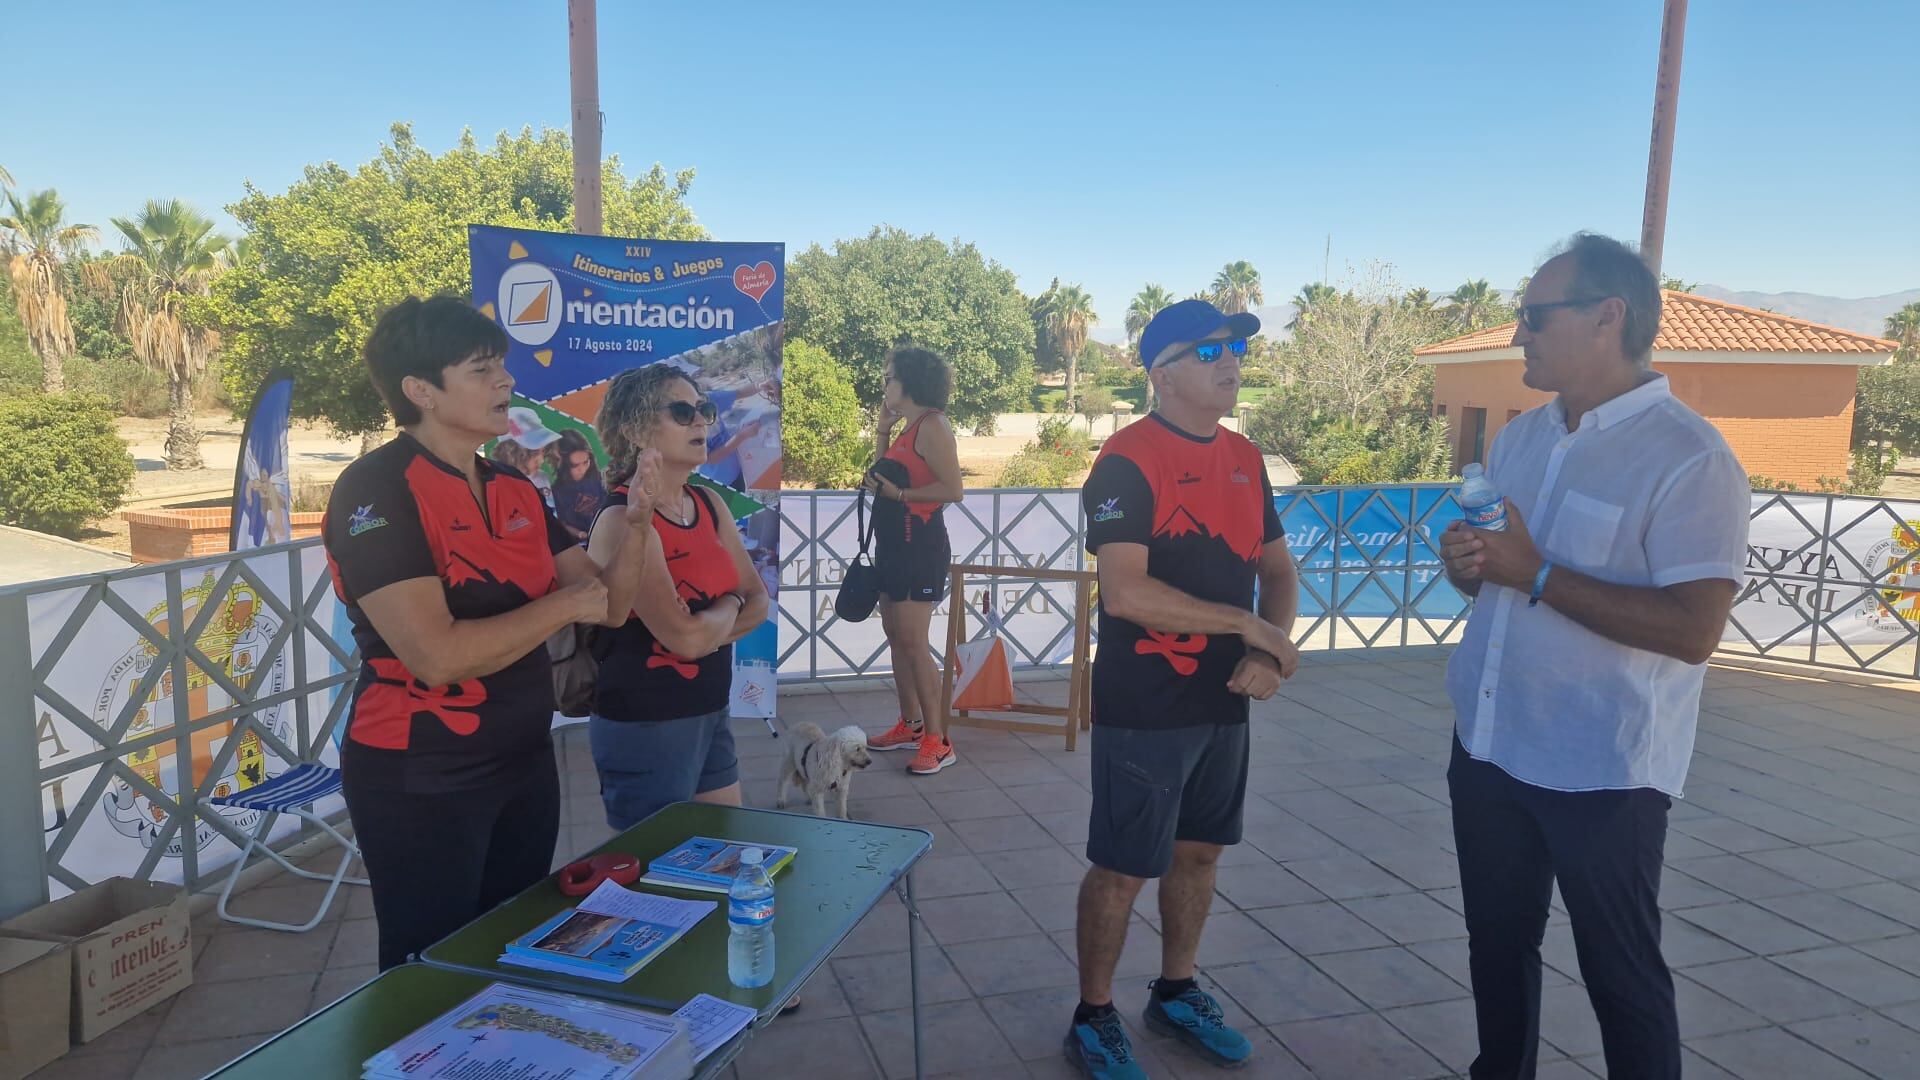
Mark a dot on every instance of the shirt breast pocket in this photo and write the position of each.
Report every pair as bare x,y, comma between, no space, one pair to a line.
1584,530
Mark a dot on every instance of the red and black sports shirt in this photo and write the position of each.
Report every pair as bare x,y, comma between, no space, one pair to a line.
1203,509
641,679
401,513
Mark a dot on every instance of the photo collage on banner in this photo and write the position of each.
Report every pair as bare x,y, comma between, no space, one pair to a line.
580,310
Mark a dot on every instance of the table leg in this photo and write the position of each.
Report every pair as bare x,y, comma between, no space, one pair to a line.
913,972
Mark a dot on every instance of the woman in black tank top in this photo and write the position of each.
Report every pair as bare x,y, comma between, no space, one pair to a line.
916,475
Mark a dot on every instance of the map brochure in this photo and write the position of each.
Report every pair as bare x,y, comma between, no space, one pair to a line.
711,1022
710,865
612,934
532,1034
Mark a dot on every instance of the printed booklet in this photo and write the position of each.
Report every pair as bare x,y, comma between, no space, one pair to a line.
530,1034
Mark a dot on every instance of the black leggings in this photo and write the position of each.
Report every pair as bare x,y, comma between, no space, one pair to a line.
439,861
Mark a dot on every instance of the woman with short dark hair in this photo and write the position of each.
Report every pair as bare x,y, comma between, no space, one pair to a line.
916,476
454,574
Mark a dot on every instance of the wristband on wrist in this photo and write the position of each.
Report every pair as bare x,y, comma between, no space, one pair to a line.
1539,584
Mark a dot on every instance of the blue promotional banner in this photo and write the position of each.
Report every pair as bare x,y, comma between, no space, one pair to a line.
581,309
262,491
1371,552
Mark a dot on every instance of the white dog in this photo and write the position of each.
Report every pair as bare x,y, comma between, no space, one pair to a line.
818,763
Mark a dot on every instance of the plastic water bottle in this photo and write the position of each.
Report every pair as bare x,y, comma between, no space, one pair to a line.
750,923
1483,506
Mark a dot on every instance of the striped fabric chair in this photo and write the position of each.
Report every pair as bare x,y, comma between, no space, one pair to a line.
292,792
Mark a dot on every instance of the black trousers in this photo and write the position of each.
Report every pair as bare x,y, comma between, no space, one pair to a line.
438,861
1606,849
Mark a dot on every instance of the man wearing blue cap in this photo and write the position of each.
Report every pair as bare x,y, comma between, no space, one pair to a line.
1181,518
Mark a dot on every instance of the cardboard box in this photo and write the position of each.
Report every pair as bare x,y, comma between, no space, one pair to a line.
132,947
36,982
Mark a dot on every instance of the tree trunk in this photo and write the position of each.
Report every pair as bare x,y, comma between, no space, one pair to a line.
371,440
183,442
1073,381
53,378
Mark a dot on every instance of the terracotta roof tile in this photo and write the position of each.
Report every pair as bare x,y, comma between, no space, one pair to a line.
1690,323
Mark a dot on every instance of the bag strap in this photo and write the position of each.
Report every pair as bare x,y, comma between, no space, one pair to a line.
863,525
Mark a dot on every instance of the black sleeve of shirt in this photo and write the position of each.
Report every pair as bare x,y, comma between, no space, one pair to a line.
1118,502
1273,530
373,532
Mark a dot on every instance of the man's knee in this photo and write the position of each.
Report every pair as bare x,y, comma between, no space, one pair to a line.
1191,855
1102,886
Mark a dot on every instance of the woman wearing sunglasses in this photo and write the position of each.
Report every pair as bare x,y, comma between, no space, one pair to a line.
659,726
917,475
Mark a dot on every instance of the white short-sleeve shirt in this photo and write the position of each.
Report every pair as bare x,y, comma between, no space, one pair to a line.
1645,492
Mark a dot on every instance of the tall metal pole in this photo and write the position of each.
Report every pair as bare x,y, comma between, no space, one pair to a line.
1666,104
583,51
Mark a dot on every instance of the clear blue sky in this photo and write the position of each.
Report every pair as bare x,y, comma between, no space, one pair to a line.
1109,144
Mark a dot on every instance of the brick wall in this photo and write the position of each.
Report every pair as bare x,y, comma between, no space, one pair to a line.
1789,422
165,535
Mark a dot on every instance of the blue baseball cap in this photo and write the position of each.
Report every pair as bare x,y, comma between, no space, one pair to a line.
1191,320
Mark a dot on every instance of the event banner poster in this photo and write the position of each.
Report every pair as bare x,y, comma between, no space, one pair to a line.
579,310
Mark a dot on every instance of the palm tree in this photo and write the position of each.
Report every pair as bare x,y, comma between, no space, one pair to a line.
1474,302
1418,300
172,255
1903,326
1068,315
1310,296
1147,303
1236,288
39,241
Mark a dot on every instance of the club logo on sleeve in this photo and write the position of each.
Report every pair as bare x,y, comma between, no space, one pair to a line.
1109,511
363,520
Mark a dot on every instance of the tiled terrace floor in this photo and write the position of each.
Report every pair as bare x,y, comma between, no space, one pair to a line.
1792,893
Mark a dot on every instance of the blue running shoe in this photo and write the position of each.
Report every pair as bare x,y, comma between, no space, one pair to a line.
1102,1051
1195,1019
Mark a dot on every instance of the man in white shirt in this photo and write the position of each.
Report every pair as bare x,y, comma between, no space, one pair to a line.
1577,686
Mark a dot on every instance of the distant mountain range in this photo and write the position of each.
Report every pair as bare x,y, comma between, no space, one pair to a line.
1865,315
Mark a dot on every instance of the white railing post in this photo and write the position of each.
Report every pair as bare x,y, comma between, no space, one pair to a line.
23,851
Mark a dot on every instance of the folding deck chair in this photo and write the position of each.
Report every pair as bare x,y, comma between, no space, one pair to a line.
292,792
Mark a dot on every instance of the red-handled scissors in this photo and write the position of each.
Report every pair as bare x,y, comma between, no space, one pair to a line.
581,878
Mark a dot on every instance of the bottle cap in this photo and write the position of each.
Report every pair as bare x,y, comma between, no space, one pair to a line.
752,856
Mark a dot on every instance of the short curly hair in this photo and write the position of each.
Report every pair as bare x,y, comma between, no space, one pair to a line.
926,378
423,338
631,409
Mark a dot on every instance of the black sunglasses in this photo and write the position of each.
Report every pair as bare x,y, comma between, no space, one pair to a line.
683,412
1530,313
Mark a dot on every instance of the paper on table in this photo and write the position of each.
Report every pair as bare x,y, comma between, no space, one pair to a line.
611,899
711,1022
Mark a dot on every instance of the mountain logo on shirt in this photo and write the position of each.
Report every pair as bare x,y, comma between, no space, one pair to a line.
1109,511
1240,477
517,521
363,520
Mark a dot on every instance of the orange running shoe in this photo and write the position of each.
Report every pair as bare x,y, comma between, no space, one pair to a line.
934,755
898,737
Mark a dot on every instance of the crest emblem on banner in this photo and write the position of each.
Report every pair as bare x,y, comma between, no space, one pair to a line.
236,639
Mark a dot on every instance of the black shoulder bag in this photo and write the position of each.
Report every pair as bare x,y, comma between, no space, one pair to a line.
860,588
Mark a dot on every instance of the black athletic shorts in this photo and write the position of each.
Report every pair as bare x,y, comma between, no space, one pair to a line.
1152,786
913,558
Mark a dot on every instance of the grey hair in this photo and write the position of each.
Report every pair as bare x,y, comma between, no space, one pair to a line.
631,409
1603,267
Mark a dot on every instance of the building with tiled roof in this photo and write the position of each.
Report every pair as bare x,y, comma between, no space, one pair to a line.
1780,389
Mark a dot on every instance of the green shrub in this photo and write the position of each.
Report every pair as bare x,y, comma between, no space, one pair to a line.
1058,457
824,436
130,387
61,463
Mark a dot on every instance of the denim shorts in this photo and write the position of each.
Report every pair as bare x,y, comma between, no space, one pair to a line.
646,765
